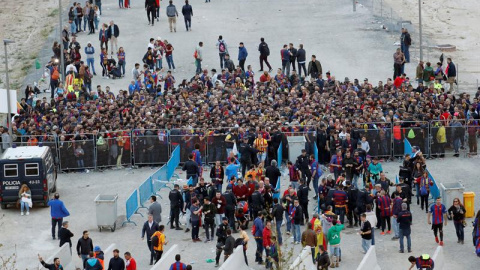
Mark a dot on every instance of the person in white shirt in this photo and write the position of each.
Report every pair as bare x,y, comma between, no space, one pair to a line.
365,144
214,76
151,44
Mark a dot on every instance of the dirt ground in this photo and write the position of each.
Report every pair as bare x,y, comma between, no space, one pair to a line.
29,25
448,22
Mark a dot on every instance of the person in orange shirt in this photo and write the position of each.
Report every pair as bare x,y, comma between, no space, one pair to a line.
32,141
130,262
265,77
261,145
158,245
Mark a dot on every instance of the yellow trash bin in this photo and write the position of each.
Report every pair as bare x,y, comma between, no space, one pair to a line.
469,203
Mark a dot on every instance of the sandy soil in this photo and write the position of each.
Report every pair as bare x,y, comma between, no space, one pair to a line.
29,25
448,22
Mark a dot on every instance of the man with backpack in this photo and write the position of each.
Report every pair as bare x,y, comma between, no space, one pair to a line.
158,241
222,50
198,55
264,53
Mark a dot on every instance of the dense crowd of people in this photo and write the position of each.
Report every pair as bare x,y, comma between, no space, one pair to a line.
350,121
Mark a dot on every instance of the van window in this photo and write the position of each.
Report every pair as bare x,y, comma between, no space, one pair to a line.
31,169
10,170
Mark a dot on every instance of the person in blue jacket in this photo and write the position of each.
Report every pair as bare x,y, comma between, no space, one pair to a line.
242,55
57,211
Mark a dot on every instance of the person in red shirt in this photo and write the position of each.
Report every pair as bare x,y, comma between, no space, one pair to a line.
130,262
240,191
265,77
267,241
399,80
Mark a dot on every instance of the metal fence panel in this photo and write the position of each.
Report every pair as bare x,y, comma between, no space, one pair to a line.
448,137
186,139
379,138
150,147
69,159
113,149
416,132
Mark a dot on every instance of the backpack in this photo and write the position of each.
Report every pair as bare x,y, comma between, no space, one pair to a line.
55,74
254,229
221,47
195,54
267,50
155,241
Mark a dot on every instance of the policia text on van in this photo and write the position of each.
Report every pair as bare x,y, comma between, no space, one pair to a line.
30,165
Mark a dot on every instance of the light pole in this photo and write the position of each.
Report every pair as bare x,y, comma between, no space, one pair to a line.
61,41
420,27
9,117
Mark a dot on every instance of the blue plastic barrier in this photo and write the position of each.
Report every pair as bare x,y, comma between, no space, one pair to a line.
160,180
173,163
315,151
145,190
279,155
277,189
407,147
132,207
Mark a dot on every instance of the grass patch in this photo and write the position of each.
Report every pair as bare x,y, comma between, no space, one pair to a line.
46,31
53,13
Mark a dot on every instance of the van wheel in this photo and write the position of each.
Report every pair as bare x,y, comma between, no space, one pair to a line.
3,206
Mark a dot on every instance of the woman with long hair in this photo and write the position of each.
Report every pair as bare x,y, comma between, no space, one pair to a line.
423,189
25,195
417,173
457,212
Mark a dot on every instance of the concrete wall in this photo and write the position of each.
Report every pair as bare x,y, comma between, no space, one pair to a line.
65,258
235,261
369,261
167,259
304,260
438,258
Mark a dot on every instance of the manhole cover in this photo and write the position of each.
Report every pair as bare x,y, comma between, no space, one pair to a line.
446,47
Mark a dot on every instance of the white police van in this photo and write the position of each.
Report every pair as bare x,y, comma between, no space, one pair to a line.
30,165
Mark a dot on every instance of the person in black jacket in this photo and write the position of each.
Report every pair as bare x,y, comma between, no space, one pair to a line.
323,260
264,53
176,203
112,33
257,202
246,152
273,173
187,12
302,164
451,74
84,246
301,58
221,238
150,7
229,245
116,263
54,266
192,169
277,214
65,235
352,193
297,217
302,194
150,227
293,55
230,206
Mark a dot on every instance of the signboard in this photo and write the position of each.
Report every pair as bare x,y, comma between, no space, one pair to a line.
3,101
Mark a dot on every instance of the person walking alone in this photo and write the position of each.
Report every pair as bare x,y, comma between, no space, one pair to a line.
57,211
172,15
222,50
438,214
150,227
264,53
84,246
457,213
187,12
404,220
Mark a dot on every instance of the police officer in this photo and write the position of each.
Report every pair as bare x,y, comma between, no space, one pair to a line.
230,207
302,164
302,194
221,237
257,202
352,193
176,203
246,152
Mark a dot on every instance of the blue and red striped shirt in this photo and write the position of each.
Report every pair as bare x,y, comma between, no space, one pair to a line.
437,213
340,197
384,202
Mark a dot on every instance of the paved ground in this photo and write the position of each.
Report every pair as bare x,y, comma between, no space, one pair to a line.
328,29
31,234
